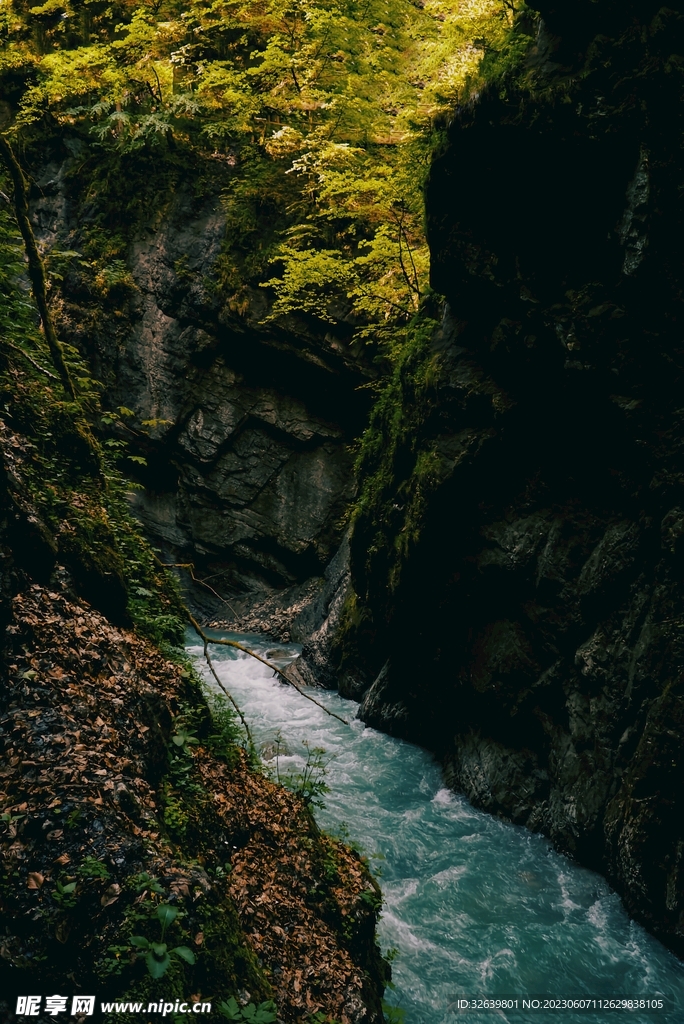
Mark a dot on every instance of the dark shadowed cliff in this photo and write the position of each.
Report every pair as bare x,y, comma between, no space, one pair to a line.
518,545
245,428
511,595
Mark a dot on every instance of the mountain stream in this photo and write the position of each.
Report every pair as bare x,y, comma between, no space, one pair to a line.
475,907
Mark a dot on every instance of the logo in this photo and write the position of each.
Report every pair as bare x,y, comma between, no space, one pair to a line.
81,1006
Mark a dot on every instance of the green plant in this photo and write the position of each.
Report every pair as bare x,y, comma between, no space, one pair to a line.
309,785
322,115
184,738
226,735
181,789
181,773
9,822
330,864
115,962
144,882
264,1013
372,899
92,868
393,1014
221,870
157,954
114,279
64,894
74,817
176,816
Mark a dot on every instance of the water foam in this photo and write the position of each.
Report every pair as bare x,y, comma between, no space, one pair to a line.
474,905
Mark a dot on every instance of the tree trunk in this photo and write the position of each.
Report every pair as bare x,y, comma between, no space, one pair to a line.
35,264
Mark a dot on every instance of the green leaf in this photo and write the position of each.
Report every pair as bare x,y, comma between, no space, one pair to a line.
185,954
157,967
140,941
158,948
183,738
166,914
93,868
263,1014
230,1009
68,888
393,1014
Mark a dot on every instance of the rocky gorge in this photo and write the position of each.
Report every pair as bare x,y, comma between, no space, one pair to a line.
548,553
130,802
482,541
247,431
547,556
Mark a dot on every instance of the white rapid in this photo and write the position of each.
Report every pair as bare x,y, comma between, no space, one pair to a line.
474,906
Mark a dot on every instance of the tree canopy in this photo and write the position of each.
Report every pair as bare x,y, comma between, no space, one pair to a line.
327,111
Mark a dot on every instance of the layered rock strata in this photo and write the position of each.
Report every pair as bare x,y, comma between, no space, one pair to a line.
245,427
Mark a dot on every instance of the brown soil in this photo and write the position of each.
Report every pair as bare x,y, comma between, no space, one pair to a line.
270,907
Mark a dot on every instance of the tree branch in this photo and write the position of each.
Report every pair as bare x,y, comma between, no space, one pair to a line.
159,88
274,668
400,226
191,567
413,263
35,264
381,298
29,359
210,663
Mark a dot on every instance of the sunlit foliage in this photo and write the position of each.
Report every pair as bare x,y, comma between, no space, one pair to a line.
327,109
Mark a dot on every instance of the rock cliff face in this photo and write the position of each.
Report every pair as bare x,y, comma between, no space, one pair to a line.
535,635
103,820
530,626
245,428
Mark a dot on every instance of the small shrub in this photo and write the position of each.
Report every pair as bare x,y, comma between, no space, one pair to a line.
393,1014
64,895
309,785
157,954
264,1013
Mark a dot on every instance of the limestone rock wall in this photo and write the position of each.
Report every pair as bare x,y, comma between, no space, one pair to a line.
245,429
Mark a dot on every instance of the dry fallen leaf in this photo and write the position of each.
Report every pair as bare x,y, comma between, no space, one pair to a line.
111,895
87,760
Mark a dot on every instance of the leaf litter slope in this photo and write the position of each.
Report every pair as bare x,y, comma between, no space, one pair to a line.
88,799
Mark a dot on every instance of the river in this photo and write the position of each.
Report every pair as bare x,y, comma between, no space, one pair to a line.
475,907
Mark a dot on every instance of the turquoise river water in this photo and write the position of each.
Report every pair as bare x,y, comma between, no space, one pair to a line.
476,908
